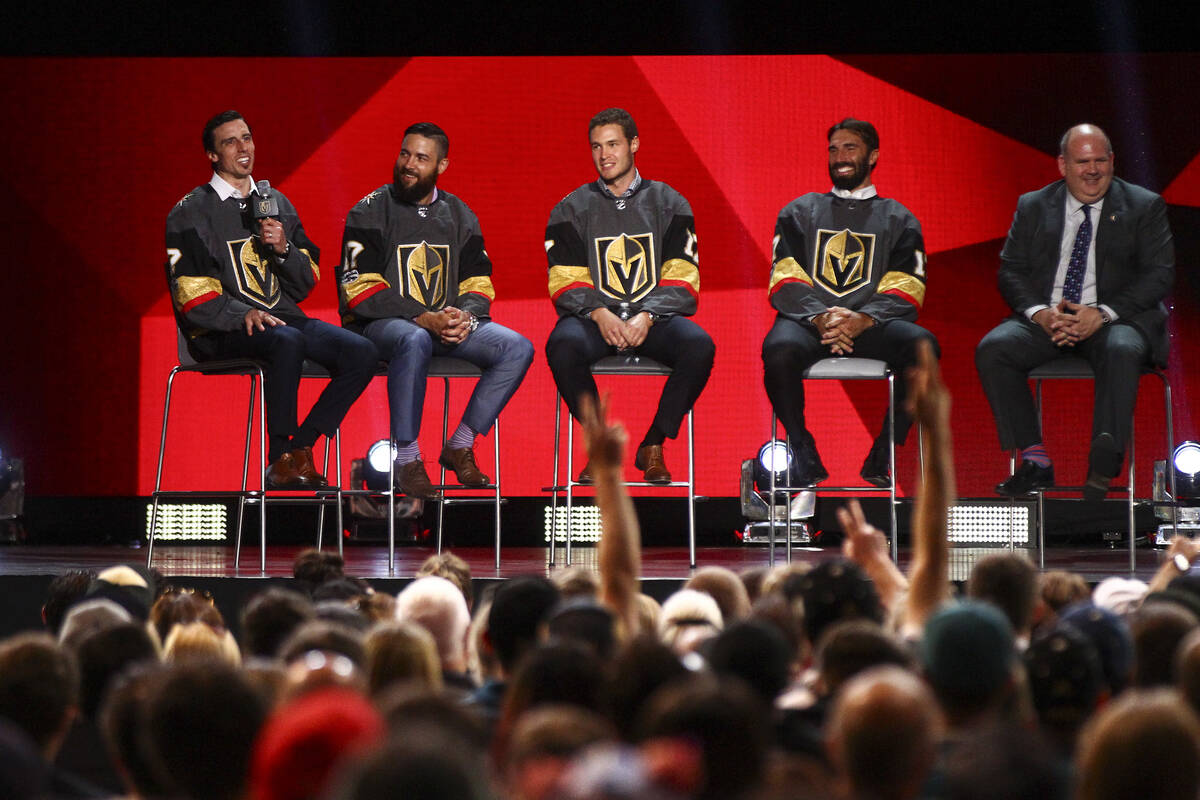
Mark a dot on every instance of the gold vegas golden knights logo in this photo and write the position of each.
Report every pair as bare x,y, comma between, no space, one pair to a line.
843,260
254,275
627,268
424,269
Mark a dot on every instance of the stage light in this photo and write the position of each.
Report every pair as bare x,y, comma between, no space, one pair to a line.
378,461
761,510
775,457
1186,461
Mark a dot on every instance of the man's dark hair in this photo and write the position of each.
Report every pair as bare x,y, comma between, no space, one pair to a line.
756,652
426,764
861,128
201,720
62,593
39,683
208,138
518,609
313,567
270,617
104,655
431,131
1008,581
831,592
615,116
120,724
848,648
324,635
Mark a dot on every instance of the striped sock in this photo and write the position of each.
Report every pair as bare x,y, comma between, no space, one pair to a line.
1036,453
407,451
464,436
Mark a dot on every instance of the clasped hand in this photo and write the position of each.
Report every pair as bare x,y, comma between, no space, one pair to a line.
839,327
450,325
1069,323
619,333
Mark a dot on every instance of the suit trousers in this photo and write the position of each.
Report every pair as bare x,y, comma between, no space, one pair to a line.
792,347
575,344
1117,352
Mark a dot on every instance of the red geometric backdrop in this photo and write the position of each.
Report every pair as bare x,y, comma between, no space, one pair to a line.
101,149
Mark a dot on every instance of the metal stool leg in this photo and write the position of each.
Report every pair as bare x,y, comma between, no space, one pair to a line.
556,484
237,550
262,460
162,449
891,381
691,489
570,478
442,475
496,466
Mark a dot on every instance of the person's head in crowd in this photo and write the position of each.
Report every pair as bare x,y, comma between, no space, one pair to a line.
198,641
398,651
339,613
787,618
1008,581
424,765
39,689
833,591
89,616
1187,669
268,676
1157,629
756,652
454,569
63,592
689,617
752,579
1005,761
642,666
326,636
320,654
584,621
438,606
121,717
407,707
270,617
345,589
1109,634
577,582
968,656
104,655
647,612
725,720
482,664
1138,727
1066,682
848,648
562,673
130,586
1059,588
23,771
311,568
726,588
1122,596
177,606
519,607
543,742
376,607
199,726
778,578
303,743
882,734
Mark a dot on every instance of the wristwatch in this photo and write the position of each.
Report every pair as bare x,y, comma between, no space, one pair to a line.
474,323
1104,317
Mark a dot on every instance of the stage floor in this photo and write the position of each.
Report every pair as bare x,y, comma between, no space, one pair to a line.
1094,563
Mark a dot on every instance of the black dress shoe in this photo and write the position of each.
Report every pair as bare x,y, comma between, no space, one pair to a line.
1028,478
1104,462
809,469
875,469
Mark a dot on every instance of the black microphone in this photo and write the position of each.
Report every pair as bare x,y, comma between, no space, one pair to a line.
267,204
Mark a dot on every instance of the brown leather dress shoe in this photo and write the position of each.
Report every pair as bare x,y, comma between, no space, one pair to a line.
585,474
461,460
302,457
283,474
413,480
650,460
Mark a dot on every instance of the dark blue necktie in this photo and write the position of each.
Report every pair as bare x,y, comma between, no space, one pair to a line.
1077,266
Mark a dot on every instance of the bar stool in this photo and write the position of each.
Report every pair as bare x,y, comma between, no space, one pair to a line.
625,365
846,368
1074,367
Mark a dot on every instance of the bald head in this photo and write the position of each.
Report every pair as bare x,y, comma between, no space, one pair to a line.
438,606
1084,129
883,732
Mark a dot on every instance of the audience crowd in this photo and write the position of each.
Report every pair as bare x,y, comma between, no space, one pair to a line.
849,679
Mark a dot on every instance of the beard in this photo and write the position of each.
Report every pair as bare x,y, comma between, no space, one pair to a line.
854,179
416,192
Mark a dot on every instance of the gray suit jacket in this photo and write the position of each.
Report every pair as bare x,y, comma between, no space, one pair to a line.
1135,256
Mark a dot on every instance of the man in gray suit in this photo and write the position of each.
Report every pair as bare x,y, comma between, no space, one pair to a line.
1087,264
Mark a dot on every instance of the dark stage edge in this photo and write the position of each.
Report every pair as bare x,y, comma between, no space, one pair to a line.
26,570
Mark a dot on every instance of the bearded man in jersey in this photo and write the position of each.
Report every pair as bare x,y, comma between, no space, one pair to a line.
236,279
847,279
624,279
416,280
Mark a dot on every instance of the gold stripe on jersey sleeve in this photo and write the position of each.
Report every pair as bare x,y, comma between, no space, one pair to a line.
785,269
563,276
480,285
188,288
683,271
316,270
366,282
903,283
